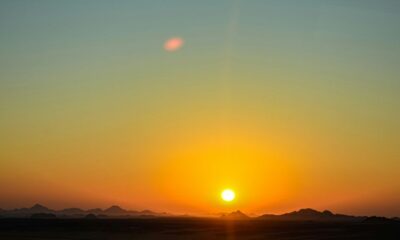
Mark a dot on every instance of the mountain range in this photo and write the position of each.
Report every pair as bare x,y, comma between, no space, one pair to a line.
113,211
306,214
236,215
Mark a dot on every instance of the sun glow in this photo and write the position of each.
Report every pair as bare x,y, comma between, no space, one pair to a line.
228,195
217,165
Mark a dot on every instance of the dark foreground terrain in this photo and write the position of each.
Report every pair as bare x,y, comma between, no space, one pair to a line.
191,228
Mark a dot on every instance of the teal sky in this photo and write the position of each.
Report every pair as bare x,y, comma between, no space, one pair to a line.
87,90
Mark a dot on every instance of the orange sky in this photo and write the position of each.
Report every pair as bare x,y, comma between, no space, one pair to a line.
290,105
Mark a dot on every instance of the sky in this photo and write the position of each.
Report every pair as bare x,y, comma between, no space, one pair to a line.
291,104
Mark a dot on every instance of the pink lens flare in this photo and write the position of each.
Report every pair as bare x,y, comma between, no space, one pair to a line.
173,44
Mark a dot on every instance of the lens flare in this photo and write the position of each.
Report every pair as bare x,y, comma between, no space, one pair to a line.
173,44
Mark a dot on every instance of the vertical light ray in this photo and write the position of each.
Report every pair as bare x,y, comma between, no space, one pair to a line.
226,76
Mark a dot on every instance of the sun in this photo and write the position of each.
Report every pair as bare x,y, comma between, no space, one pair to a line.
228,195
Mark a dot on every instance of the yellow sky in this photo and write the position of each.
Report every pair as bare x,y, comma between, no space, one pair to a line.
291,106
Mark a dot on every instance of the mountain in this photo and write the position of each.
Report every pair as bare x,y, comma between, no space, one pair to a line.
378,220
95,211
237,215
37,208
115,210
306,214
147,212
27,212
309,214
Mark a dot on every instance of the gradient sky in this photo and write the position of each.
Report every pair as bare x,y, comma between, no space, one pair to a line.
290,103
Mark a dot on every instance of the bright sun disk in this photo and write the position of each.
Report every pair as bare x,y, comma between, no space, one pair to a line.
228,195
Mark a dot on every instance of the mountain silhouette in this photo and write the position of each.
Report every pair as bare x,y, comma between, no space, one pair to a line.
115,210
147,212
375,219
95,211
236,215
37,208
308,214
